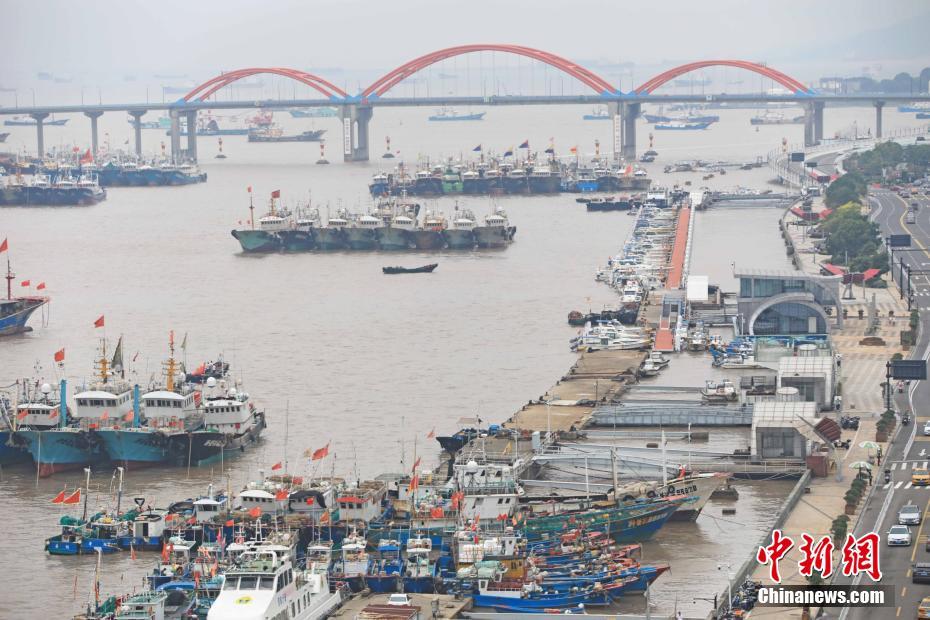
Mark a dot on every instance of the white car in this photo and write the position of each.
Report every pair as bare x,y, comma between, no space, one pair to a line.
909,515
927,428
899,535
399,600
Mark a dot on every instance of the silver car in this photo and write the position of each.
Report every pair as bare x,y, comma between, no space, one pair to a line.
909,515
899,535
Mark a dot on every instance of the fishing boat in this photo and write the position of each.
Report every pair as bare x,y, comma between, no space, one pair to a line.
455,442
429,236
485,582
682,125
449,114
160,423
460,235
274,134
362,233
496,231
351,563
265,238
15,311
624,522
231,423
332,236
302,237
424,269
386,569
4,135
28,121
597,114
776,118
420,570
396,234
217,370
313,112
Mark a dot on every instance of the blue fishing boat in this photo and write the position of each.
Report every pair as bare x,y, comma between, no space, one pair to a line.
146,531
352,561
28,121
681,126
15,311
385,571
598,114
485,582
69,541
449,114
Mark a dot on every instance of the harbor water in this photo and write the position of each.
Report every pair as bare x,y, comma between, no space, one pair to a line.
331,348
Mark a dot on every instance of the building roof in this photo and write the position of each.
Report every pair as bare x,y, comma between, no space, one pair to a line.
787,274
767,411
813,366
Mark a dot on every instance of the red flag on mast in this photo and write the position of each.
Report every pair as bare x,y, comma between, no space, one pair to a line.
431,434
59,498
41,286
99,322
321,453
25,283
4,246
276,466
74,498
60,355
276,193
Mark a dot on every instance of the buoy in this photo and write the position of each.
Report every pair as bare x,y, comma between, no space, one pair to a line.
322,160
220,155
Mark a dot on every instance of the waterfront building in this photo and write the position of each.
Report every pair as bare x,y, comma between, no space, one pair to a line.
782,302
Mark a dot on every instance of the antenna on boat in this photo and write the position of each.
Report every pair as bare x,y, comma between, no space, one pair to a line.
86,492
9,275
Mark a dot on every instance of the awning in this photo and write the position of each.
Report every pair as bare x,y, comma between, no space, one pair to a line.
829,429
832,269
868,274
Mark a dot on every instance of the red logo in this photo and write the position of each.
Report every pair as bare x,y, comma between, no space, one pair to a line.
858,555
861,556
775,552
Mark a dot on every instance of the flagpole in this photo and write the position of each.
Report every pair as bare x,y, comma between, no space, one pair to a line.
287,418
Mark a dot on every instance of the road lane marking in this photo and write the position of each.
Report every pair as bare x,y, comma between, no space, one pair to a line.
898,612
908,485
919,533
894,466
903,590
923,465
898,486
887,484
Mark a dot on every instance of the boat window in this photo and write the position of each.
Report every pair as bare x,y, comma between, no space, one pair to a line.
266,583
231,583
247,583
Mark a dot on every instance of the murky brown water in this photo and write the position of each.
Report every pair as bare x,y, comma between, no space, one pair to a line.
358,359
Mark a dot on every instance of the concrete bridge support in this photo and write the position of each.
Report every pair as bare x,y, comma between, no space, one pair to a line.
192,135
137,130
39,118
879,105
175,135
818,121
629,112
94,134
355,136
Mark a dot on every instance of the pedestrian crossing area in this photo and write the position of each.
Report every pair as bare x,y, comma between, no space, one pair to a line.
906,466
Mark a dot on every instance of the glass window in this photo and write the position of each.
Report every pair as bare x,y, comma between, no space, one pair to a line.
247,583
266,583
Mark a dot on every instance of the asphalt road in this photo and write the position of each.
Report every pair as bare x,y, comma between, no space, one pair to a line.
911,448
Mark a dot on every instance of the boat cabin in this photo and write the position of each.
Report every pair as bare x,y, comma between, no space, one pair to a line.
206,509
37,415
259,498
362,503
103,402
149,524
145,606
229,413
164,408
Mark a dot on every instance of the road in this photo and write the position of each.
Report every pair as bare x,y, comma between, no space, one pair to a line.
911,449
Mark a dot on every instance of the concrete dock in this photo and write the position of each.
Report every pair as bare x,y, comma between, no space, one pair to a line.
446,606
598,376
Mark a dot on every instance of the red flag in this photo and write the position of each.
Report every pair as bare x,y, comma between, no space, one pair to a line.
60,355
59,498
249,189
99,322
74,498
276,193
414,483
4,246
22,414
41,286
132,552
431,434
436,512
324,519
417,463
196,580
255,512
105,415
282,494
309,501
25,283
192,521
164,553
230,523
87,157
276,466
129,416
321,453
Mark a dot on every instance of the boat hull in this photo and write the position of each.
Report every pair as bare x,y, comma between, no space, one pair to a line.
494,236
257,240
395,239
428,239
213,446
12,449
419,585
297,240
17,312
331,239
459,239
380,584
362,239
135,449
56,451
625,523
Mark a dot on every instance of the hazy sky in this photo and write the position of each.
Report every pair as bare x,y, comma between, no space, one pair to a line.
199,37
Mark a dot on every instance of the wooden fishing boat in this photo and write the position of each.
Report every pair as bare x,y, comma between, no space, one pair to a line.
423,269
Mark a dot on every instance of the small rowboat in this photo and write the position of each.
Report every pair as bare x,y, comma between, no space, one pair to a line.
423,269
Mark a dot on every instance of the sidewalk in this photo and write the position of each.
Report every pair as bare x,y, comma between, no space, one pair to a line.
861,373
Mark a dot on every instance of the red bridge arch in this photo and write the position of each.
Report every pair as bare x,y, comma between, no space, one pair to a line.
221,81
586,77
787,81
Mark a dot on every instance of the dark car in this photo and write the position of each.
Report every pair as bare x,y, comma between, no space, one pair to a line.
921,573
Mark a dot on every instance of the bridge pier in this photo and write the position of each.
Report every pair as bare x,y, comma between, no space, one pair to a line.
809,139
192,135
94,142
629,112
879,105
39,118
175,135
818,121
137,129
355,136
613,110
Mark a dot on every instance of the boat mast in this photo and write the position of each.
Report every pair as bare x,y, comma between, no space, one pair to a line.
86,492
9,278
170,365
119,491
251,211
